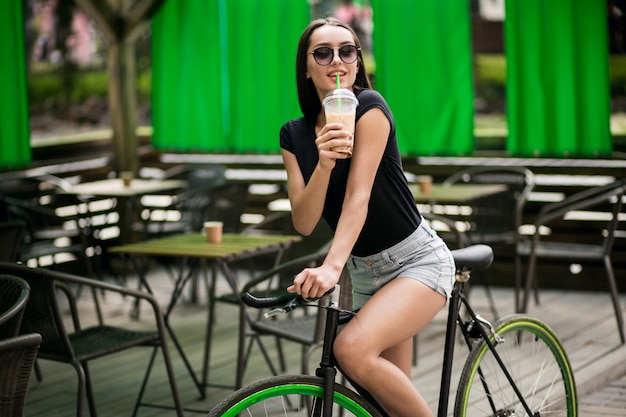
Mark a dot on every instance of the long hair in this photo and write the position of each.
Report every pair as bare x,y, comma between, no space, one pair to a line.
307,94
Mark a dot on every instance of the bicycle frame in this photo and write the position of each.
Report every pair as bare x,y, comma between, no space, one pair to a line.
470,331
328,366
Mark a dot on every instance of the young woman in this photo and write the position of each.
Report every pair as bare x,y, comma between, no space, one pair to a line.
401,271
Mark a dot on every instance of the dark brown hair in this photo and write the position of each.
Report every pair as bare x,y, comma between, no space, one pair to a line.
307,94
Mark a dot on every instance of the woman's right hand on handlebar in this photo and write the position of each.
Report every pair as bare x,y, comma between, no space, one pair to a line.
313,282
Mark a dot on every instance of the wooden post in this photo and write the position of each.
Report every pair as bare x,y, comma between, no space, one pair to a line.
120,25
123,105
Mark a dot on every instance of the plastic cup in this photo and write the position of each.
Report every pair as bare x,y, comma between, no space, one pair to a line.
213,231
340,107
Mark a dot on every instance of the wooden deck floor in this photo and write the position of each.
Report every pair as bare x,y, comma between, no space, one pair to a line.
584,321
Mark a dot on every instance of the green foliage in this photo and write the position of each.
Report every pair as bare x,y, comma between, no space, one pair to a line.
617,69
45,88
490,69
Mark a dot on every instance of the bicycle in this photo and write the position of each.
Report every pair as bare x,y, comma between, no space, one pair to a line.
516,366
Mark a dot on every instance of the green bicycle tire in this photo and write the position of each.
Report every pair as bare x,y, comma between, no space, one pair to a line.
537,361
284,395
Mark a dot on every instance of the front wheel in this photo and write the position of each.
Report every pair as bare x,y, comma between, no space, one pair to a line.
290,396
537,363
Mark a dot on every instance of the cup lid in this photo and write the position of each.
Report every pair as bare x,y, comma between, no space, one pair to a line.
342,93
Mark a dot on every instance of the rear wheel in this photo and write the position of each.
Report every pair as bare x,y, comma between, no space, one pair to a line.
290,396
538,364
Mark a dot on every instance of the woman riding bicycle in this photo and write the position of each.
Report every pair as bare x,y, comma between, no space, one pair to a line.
397,264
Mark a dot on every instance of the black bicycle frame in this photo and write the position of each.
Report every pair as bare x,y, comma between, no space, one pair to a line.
456,299
328,366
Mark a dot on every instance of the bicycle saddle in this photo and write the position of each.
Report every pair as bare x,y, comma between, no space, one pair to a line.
473,257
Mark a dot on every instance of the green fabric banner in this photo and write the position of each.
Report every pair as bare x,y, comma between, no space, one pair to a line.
558,98
424,69
14,128
224,73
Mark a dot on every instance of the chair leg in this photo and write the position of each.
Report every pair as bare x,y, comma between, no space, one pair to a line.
81,392
615,297
530,278
281,354
89,391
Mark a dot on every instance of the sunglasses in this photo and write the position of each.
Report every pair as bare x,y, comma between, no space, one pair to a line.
324,55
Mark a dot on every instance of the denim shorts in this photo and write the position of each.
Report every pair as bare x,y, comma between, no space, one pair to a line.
422,256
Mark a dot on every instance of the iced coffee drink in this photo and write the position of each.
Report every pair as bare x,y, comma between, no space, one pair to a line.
340,107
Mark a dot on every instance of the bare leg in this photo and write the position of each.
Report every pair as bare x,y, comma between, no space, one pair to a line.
374,349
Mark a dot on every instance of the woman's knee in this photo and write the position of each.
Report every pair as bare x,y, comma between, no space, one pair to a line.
352,356
344,351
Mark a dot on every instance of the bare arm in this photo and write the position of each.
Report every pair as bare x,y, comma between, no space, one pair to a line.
307,201
372,132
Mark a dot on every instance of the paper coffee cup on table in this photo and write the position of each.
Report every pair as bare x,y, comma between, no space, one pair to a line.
340,107
426,183
127,177
213,231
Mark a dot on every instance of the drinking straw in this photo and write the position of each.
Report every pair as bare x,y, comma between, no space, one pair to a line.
338,87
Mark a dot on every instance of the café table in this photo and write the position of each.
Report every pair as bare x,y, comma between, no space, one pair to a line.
127,193
454,193
217,256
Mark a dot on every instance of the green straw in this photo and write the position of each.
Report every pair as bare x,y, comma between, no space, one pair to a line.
338,87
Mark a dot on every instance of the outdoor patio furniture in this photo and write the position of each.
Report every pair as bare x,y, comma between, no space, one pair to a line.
76,345
10,240
304,329
191,205
17,356
599,209
495,219
14,294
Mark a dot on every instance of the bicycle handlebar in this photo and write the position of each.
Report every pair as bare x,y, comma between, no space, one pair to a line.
288,301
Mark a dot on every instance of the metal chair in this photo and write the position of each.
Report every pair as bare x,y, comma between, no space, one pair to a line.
606,202
304,330
14,294
17,357
496,219
78,346
57,223
11,234
189,209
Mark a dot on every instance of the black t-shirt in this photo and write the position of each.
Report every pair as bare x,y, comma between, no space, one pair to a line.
392,213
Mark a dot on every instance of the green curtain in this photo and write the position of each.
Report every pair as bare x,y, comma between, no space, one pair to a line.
187,89
424,69
558,98
14,129
223,73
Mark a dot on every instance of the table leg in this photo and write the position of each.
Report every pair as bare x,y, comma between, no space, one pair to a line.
222,265
179,285
209,330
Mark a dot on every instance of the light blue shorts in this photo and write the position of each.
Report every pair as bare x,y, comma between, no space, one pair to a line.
422,256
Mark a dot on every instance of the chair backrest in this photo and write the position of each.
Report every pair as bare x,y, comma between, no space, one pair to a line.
496,217
227,204
14,295
452,234
42,313
608,199
205,176
17,357
11,234
195,200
